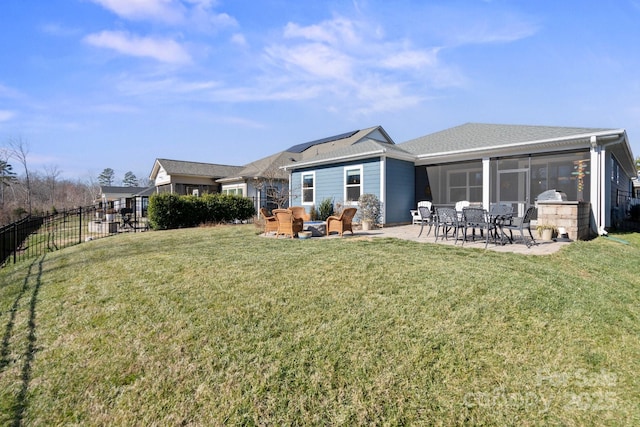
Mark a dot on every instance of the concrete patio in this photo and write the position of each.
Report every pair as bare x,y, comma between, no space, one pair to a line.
410,232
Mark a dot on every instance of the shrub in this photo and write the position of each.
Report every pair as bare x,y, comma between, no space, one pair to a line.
172,211
325,210
369,208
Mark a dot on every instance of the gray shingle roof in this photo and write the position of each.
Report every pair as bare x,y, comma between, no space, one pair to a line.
180,167
265,167
358,150
472,136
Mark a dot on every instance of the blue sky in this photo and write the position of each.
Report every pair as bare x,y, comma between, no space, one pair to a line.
91,84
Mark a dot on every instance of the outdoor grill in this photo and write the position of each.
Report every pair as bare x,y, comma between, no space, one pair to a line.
552,196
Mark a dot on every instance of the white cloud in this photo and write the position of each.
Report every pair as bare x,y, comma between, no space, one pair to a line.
197,14
169,11
339,30
161,49
6,115
313,59
412,59
238,39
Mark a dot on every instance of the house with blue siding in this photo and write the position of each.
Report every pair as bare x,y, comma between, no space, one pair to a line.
479,163
371,164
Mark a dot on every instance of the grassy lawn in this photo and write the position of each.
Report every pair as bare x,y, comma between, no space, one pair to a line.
214,326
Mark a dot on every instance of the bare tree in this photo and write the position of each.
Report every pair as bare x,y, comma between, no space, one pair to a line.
51,175
20,150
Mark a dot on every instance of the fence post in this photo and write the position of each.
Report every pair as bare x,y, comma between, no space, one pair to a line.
80,224
15,242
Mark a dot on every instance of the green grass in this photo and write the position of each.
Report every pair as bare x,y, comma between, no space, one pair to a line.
219,326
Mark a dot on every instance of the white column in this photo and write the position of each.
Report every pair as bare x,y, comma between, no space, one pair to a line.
597,185
486,182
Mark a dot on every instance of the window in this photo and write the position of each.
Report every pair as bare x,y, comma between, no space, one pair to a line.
234,190
465,185
352,183
308,188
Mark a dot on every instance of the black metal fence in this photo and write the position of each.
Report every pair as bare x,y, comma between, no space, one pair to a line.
34,236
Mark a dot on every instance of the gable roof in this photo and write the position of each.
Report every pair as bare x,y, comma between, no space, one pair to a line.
350,145
299,148
267,167
347,139
181,167
361,150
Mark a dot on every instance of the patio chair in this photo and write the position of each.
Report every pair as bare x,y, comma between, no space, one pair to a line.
425,217
447,220
500,214
477,219
300,213
341,223
285,223
415,214
270,221
520,224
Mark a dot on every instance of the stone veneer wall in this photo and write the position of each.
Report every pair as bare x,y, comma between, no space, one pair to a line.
573,216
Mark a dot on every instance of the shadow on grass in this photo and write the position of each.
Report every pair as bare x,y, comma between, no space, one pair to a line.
5,350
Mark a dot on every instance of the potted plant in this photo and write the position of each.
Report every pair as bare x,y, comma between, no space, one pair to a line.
369,207
546,231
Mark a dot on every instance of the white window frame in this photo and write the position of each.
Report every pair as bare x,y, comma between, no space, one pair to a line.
235,189
313,188
346,186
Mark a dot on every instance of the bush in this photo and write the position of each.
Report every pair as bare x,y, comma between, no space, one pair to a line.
325,210
172,211
369,208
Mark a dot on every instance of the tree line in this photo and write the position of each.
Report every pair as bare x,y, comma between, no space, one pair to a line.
24,191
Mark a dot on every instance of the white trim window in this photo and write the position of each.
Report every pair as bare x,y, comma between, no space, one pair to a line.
234,189
352,183
308,183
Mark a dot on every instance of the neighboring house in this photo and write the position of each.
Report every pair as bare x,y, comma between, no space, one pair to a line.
481,163
262,180
180,177
112,197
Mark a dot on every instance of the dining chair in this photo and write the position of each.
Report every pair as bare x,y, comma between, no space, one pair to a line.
447,220
477,219
426,217
521,224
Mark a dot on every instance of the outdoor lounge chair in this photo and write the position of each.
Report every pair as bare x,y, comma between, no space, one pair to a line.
270,221
520,224
425,217
285,223
300,213
341,223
